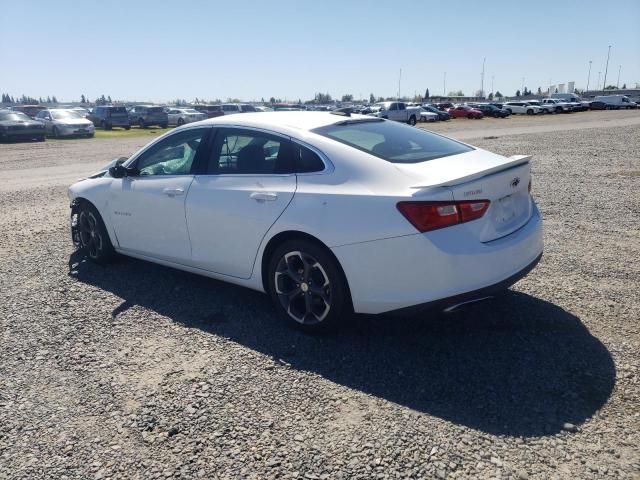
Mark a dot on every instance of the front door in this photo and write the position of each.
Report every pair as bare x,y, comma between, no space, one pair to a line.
148,209
248,182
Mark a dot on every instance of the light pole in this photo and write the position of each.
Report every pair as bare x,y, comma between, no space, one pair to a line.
618,82
589,75
604,84
482,78
492,77
599,80
522,91
399,80
444,85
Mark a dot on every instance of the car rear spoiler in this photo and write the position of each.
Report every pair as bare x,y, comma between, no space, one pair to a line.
512,162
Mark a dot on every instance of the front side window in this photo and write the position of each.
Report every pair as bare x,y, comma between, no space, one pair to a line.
247,152
392,141
173,155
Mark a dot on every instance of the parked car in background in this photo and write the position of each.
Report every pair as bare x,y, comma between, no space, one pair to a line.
398,111
148,115
264,109
490,110
428,116
19,126
444,106
463,111
443,116
616,101
229,108
545,108
81,110
558,105
521,108
211,111
288,107
65,123
180,116
109,116
29,110
417,219
597,105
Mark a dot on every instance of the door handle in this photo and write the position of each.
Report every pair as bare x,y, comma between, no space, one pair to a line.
264,196
172,192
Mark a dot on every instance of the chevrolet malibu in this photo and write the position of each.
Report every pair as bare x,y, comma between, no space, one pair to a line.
327,213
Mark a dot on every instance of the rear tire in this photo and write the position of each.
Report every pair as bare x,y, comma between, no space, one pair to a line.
141,123
529,112
127,127
55,132
164,125
307,286
180,122
93,236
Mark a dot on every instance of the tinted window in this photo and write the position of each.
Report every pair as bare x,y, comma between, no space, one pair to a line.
392,141
307,160
172,156
244,152
14,116
154,110
118,110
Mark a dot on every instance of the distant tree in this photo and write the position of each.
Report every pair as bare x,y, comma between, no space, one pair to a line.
82,99
490,96
539,91
372,98
299,101
426,93
48,99
109,99
610,87
517,93
272,100
624,86
556,90
54,99
457,93
347,98
262,99
479,93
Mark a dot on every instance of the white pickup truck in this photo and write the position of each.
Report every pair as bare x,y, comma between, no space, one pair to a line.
559,105
398,111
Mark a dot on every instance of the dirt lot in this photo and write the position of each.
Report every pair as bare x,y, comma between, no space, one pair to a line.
139,371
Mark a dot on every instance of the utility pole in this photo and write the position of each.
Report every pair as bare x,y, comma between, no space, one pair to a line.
444,85
482,78
588,76
522,91
599,80
492,77
618,82
604,84
399,80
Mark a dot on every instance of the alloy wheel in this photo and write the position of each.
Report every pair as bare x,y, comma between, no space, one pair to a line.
303,288
90,237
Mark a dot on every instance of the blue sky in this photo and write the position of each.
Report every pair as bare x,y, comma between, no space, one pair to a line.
162,50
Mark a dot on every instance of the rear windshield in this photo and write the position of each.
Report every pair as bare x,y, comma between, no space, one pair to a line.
392,141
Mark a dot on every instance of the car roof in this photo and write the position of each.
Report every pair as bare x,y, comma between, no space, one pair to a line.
283,121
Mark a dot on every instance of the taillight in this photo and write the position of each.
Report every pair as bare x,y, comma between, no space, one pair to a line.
427,216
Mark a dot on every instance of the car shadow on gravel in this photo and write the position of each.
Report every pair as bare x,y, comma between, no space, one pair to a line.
517,365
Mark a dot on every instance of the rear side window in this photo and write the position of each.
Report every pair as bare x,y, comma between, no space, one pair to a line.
307,161
247,152
392,141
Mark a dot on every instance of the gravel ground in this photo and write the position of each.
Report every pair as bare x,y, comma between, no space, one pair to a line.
137,371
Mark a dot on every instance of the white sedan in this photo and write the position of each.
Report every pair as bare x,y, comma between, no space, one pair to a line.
327,213
428,116
180,116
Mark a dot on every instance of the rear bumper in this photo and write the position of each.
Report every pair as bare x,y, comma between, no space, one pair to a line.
440,266
481,293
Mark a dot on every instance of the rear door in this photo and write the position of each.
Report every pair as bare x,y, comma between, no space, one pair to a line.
245,186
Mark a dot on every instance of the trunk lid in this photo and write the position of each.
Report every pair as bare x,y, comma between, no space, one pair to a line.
481,175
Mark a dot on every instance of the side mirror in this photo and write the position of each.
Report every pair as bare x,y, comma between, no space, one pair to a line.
119,171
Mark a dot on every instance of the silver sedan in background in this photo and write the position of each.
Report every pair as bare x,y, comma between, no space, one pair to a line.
65,123
180,116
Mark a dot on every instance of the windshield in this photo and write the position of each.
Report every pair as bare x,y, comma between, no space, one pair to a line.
392,141
14,116
190,110
65,115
